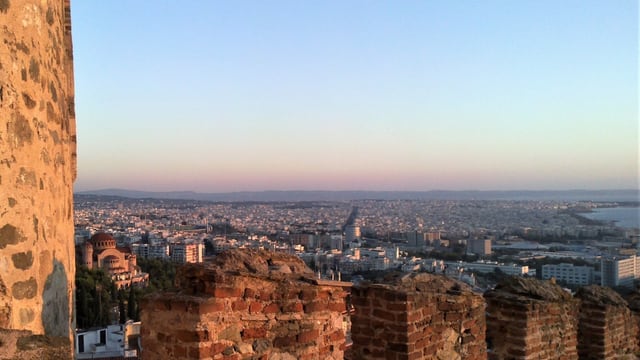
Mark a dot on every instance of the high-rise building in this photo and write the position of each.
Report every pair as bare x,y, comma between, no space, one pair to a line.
336,242
568,273
619,271
187,253
480,247
351,233
416,239
432,236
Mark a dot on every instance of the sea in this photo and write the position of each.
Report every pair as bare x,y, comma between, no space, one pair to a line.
626,217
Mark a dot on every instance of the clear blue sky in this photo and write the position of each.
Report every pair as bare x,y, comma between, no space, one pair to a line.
219,96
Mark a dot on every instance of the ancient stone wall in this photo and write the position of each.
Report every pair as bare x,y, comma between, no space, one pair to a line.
607,328
420,316
24,345
246,305
37,167
633,300
263,305
531,319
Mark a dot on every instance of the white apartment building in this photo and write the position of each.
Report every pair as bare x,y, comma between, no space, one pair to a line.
159,251
147,251
619,271
187,253
568,273
485,267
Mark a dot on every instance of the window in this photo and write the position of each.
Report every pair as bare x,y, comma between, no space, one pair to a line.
103,336
80,343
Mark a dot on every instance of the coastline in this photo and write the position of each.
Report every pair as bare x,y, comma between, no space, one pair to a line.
608,216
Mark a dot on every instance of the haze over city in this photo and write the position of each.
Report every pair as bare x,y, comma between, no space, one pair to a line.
357,95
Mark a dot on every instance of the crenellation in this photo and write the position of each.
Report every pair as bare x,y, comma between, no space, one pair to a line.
605,330
527,318
417,316
247,304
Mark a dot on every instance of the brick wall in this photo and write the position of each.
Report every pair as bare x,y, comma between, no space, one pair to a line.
531,319
248,304
634,305
419,316
607,327
263,305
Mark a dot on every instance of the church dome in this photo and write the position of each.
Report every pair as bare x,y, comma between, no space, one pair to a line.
102,241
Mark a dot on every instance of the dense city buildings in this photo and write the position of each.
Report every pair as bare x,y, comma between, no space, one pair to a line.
478,243
465,239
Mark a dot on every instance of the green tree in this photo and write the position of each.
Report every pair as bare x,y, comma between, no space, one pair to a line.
94,297
121,307
162,274
132,305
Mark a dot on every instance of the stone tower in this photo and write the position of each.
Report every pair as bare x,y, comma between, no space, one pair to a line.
87,255
37,167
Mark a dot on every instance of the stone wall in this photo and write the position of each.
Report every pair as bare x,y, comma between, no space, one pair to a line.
24,345
633,300
246,305
37,167
419,316
531,319
264,305
607,327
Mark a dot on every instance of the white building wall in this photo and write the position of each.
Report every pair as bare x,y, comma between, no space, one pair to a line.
575,275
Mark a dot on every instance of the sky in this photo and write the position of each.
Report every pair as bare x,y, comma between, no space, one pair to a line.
225,96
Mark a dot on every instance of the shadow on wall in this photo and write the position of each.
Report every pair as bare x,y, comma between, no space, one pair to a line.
55,306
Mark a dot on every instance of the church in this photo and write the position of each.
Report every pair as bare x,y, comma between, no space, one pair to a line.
101,252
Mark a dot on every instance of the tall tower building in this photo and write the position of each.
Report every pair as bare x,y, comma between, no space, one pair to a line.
37,167
351,233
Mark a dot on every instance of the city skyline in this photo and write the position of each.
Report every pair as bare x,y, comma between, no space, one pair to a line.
252,96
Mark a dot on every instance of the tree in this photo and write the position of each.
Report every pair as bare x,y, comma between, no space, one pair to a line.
121,308
161,274
132,305
94,297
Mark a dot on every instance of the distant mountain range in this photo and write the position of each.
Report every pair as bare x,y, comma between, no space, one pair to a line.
292,196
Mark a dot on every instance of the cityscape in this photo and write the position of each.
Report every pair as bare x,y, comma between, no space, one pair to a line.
475,241
385,232
352,180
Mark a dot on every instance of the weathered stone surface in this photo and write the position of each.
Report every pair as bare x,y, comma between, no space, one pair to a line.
37,171
55,302
531,319
24,345
10,235
5,305
529,289
598,295
22,260
607,328
417,316
24,289
26,316
246,304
